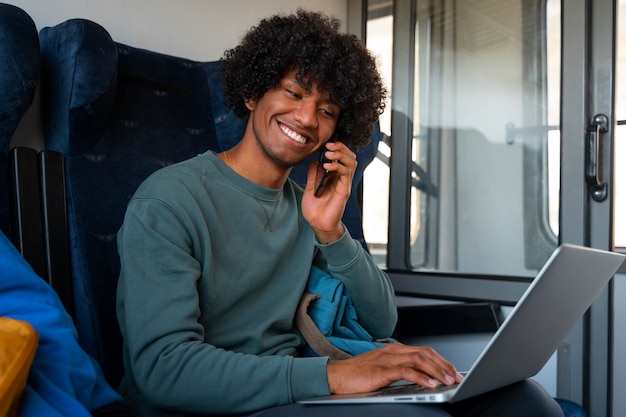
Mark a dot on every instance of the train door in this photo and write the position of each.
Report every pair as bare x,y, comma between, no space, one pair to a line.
500,145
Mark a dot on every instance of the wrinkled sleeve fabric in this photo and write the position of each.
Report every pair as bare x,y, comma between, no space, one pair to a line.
371,290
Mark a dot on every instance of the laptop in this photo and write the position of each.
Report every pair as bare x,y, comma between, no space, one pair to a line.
557,298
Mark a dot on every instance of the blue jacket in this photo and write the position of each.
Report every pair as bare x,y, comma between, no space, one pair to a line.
335,316
63,379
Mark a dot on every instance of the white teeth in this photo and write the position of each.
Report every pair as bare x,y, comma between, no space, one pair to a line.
293,135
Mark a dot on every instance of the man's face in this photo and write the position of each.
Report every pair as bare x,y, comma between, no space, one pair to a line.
290,122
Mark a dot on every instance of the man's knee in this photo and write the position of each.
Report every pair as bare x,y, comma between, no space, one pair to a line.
523,399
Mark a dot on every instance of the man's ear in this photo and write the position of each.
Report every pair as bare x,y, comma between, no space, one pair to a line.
250,103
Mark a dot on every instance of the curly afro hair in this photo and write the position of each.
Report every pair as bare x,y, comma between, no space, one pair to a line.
310,43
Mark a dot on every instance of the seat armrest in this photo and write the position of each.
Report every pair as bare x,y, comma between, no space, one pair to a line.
444,319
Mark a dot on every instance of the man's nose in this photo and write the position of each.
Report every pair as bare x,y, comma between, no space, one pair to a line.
306,113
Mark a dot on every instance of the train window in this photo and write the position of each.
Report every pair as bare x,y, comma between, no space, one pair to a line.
619,221
376,194
467,180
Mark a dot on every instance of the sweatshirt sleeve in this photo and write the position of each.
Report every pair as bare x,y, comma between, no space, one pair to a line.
371,290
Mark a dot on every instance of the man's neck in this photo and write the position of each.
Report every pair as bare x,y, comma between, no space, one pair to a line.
248,160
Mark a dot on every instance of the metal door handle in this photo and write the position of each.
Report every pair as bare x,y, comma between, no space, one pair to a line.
597,188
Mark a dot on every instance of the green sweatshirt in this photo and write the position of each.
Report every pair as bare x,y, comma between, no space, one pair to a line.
212,269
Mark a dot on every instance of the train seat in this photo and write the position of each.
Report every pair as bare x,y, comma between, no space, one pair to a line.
19,76
118,113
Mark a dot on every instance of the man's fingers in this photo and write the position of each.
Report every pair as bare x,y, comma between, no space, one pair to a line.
341,156
383,366
422,365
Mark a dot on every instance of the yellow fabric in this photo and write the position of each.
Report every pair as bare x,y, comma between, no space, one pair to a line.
18,343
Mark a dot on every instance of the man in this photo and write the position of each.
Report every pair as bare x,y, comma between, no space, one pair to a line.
216,251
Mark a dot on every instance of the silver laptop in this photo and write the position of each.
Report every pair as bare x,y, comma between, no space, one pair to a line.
556,299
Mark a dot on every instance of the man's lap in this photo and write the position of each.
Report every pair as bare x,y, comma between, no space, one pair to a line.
524,399
352,410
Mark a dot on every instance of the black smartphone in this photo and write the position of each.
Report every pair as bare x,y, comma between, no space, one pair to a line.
322,175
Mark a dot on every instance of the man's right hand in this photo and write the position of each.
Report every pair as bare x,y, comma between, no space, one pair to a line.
383,366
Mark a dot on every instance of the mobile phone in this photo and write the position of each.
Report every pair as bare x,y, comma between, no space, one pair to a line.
322,175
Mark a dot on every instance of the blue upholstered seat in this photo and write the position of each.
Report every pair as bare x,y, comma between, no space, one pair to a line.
19,75
119,113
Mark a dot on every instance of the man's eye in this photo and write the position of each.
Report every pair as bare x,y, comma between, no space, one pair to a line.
327,112
293,93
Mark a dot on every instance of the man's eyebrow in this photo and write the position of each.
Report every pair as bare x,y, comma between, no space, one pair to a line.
302,83
331,100
328,98
333,104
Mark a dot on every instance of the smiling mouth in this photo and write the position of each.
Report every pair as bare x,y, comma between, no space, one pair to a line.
293,135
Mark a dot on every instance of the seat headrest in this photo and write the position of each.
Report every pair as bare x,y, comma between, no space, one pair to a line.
19,68
79,80
90,83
